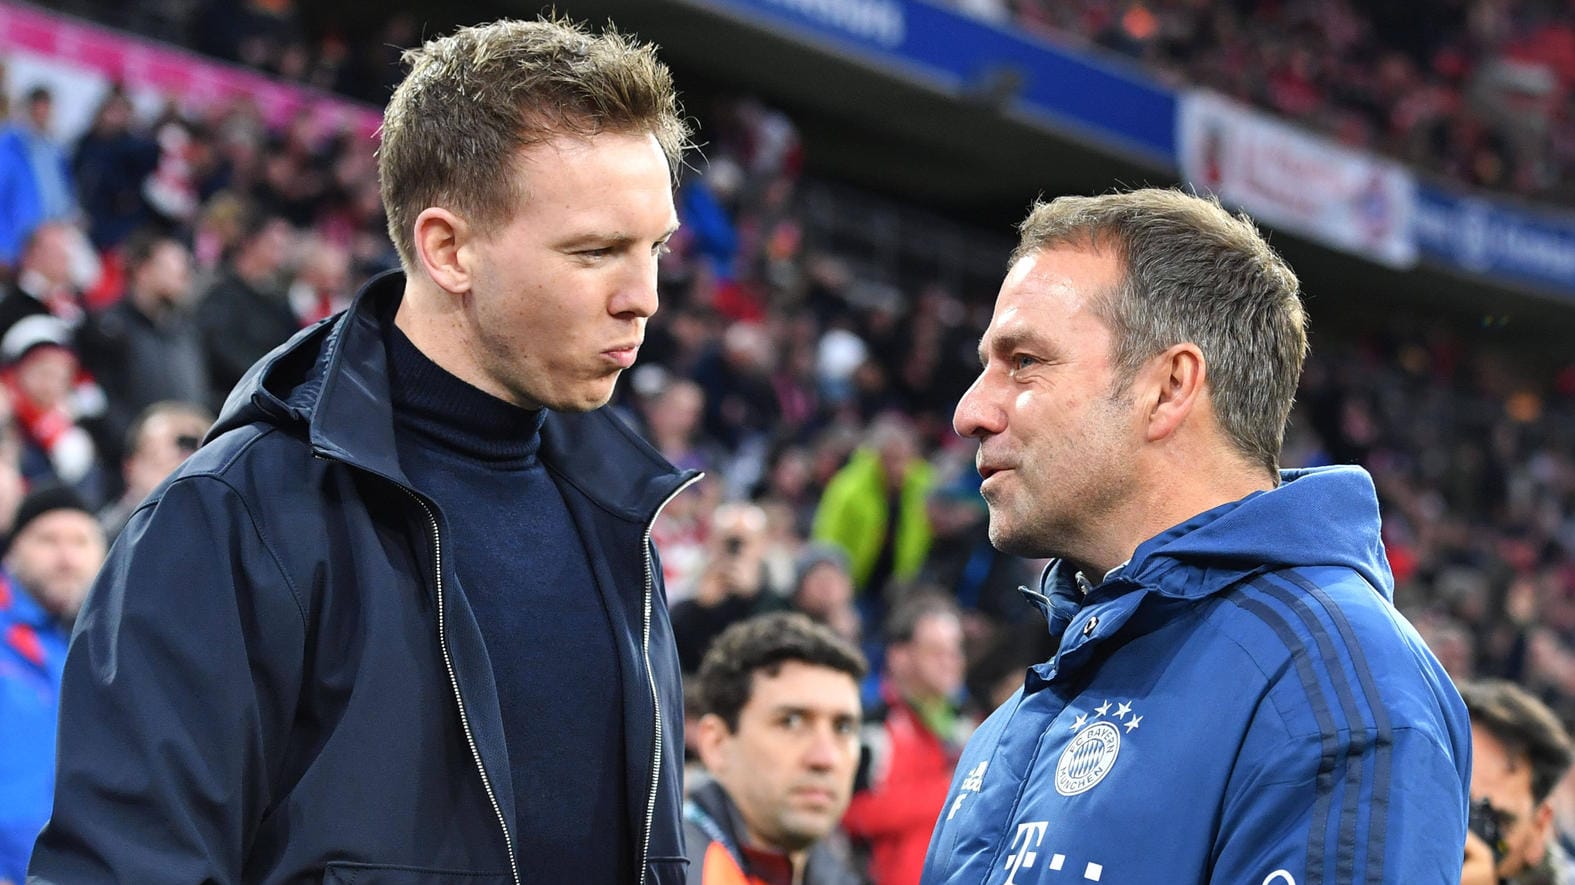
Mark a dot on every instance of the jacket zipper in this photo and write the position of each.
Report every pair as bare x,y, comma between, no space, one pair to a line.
453,681
650,678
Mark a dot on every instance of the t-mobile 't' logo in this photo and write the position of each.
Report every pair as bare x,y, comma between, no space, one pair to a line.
1029,835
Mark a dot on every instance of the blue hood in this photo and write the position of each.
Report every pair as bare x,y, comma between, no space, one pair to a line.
1322,516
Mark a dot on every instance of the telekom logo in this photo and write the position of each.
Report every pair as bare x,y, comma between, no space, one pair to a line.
1030,835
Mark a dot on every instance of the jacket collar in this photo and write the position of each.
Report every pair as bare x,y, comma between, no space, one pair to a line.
1324,516
331,379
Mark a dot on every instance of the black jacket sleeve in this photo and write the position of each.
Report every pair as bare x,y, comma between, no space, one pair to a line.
179,688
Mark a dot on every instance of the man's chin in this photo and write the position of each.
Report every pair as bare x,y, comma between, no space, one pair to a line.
1013,543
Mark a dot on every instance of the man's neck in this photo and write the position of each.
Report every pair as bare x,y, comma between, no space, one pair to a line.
772,865
1181,493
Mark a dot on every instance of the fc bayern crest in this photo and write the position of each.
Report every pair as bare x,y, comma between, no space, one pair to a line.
1087,759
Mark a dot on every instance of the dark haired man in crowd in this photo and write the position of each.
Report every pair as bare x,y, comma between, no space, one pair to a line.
145,348
780,740
1519,750
246,312
1234,697
411,528
160,440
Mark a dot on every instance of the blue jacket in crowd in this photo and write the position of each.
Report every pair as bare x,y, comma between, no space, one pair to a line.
32,653
276,680
1240,703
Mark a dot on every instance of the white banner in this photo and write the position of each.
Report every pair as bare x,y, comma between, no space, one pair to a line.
1291,179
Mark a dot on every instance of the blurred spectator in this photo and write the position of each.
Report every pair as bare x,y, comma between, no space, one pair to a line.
246,312
49,400
321,287
740,404
160,440
45,283
823,590
56,191
874,508
912,739
1520,751
731,587
983,580
12,486
35,182
54,552
112,163
779,738
146,347
672,420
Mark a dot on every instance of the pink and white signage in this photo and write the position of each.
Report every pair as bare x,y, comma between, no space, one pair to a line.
79,61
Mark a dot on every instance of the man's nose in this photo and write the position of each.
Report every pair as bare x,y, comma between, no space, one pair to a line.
825,749
978,414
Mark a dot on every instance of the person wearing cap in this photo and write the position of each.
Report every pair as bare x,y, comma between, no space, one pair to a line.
823,589
49,399
55,549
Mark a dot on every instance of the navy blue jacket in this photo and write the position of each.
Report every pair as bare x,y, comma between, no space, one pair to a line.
275,680
1239,704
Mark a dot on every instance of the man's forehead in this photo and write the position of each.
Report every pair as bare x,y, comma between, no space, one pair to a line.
1063,277
808,687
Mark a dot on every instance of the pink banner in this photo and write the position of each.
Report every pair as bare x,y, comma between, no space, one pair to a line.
189,78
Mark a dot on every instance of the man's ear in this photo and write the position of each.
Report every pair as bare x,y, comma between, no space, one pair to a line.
441,238
1175,384
711,737
1541,824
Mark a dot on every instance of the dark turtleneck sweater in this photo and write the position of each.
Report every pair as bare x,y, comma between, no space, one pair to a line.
524,570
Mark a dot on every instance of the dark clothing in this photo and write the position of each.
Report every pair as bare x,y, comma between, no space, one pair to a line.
528,579
717,855
139,360
696,626
239,324
17,304
278,676
110,168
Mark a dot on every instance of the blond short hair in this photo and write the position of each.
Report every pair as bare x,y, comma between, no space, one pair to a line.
473,99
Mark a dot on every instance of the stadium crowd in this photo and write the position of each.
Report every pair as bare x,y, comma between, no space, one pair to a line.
163,256
1479,94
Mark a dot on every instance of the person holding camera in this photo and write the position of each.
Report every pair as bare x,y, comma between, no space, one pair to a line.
1519,751
730,585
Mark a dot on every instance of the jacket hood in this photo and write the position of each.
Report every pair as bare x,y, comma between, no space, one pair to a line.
1325,516
330,382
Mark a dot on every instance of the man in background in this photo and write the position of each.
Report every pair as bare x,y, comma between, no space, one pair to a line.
55,550
246,312
1519,751
160,440
779,737
145,348
912,738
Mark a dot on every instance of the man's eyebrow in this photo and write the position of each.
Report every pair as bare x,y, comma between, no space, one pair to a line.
615,240
806,710
1004,341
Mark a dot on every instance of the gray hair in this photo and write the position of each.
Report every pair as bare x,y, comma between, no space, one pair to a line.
1193,273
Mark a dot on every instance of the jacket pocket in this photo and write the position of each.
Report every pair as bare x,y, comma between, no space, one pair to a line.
667,870
343,873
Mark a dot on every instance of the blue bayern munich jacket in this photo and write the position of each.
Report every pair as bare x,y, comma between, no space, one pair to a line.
286,684
1240,703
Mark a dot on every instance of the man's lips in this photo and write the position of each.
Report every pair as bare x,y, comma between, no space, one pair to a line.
623,355
816,795
988,470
